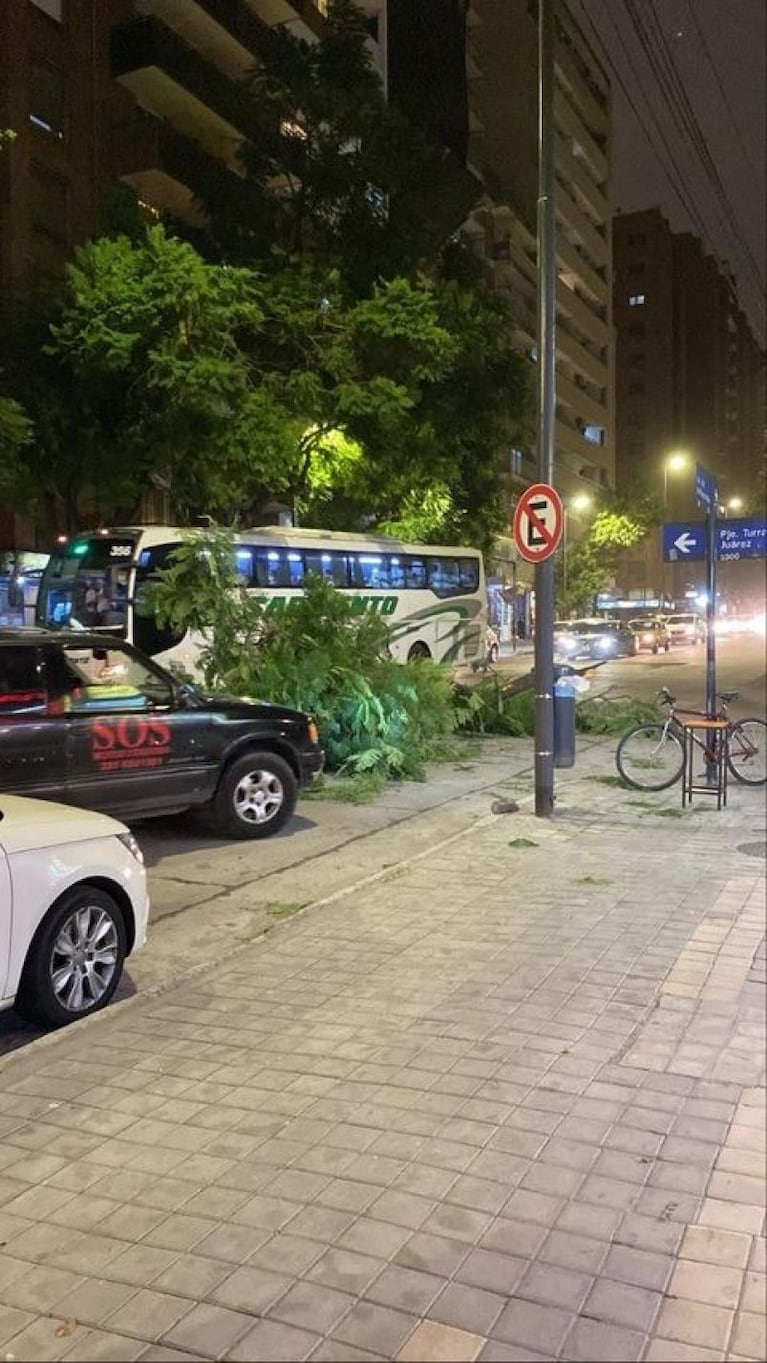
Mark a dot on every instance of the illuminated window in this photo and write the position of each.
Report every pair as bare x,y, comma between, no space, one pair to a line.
636,300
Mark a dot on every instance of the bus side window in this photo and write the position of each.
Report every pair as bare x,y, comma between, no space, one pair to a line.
444,577
468,574
331,566
397,572
415,573
369,570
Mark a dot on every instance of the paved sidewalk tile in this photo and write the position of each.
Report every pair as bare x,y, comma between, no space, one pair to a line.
442,1118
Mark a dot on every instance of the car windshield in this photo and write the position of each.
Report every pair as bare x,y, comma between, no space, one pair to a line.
643,624
681,619
86,585
594,626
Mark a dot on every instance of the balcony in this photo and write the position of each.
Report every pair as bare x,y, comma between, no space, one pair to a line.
225,32
581,226
567,119
164,167
304,17
170,80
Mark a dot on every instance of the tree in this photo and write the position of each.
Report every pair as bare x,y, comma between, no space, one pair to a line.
335,173
591,563
222,382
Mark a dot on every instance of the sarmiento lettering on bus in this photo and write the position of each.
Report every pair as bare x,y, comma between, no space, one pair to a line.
376,605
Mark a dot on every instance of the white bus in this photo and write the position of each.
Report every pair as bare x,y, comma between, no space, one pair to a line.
433,597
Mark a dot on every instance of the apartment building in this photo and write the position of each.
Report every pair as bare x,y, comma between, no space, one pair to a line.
143,91
689,378
501,64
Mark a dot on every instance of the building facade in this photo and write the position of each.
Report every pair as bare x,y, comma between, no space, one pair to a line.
502,55
689,383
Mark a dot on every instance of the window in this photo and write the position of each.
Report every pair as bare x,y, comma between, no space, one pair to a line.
333,567
22,690
370,570
276,568
636,300
47,103
452,576
148,635
99,679
49,203
53,8
594,434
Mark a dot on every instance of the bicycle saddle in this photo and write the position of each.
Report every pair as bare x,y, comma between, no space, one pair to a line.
727,696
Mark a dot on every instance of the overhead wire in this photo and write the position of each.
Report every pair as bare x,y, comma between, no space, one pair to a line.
664,67
721,87
664,72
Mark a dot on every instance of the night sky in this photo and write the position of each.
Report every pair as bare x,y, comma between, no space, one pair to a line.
718,49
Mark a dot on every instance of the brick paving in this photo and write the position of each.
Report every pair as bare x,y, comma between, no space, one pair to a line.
507,1102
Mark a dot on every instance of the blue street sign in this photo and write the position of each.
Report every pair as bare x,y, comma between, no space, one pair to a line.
683,540
705,487
742,538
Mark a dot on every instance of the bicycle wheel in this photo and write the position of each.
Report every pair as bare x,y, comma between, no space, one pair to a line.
748,751
650,757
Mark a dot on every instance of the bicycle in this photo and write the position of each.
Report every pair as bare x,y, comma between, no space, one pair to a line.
651,756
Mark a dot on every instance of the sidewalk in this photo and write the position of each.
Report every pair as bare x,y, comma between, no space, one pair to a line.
504,1101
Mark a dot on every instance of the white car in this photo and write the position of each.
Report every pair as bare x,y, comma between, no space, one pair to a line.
686,628
73,905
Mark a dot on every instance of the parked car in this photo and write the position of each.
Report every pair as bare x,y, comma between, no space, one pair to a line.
73,905
593,638
686,628
90,720
650,633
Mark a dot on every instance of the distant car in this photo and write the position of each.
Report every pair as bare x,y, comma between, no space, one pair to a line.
686,628
90,720
593,638
650,633
73,905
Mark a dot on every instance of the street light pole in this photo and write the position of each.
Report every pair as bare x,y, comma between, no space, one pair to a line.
547,313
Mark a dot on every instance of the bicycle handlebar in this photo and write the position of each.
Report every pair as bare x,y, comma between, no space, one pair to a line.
665,696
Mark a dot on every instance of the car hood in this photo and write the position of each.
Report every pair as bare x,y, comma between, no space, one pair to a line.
29,824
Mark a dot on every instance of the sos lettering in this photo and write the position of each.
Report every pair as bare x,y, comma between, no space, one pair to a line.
130,735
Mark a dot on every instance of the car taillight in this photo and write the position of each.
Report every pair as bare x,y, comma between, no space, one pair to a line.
314,733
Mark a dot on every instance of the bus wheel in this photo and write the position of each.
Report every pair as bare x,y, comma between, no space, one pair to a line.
419,650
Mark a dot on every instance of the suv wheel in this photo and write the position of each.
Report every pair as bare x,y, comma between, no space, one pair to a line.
255,797
75,962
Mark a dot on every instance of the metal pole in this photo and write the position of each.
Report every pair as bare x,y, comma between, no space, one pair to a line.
711,610
547,312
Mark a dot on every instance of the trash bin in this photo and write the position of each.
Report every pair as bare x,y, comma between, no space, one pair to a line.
564,722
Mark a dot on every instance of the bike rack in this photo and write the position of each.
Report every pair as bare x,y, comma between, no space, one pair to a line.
713,744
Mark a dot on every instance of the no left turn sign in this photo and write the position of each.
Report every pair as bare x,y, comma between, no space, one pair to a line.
538,522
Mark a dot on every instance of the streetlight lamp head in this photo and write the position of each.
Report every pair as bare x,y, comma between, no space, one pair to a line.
581,502
735,504
677,460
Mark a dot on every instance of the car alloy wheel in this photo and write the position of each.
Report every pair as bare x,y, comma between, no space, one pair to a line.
84,958
258,796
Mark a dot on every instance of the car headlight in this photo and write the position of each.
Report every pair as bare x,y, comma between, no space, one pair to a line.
128,840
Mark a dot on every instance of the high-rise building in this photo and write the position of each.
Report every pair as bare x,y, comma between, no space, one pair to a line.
503,47
689,380
689,373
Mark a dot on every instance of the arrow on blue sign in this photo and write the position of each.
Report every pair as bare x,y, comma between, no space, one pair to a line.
685,541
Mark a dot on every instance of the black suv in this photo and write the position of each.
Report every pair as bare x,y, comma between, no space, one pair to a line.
91,721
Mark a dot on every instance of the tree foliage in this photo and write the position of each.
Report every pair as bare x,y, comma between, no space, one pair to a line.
591,563
336,174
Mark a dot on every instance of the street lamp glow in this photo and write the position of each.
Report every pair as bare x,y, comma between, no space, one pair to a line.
676,461
735,504
581,502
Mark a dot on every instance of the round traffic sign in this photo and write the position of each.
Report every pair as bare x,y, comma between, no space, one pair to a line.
538,522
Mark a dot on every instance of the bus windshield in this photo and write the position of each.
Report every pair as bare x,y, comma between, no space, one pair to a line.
86,585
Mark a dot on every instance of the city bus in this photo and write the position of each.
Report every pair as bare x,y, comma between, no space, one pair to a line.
432,596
